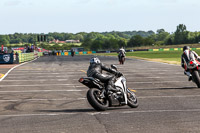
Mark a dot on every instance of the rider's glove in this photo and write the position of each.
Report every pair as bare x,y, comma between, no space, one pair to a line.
119,74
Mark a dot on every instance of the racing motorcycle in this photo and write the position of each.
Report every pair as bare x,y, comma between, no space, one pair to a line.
194,68
100,100
121,60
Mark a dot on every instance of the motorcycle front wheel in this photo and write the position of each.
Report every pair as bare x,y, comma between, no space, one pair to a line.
96,101
196,78
132,100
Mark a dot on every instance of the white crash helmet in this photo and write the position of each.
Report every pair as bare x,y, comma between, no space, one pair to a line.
95,60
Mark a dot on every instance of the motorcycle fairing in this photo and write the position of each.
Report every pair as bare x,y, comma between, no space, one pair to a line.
91,82
121,83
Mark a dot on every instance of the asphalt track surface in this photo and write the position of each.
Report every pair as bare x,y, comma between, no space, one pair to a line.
44,96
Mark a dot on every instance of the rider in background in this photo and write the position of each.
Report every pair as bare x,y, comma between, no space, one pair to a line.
121,53
187,56
95,71
72,52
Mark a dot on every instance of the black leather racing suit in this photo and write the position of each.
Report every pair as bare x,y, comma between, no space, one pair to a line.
95,71
121,54
187,56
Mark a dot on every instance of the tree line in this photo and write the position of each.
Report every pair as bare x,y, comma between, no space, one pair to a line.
110,40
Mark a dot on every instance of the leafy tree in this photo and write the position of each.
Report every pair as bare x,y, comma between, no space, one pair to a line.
193,37
3,40
136,41
79,37
122,42
181,34
161,35
148,41
96,45
87,43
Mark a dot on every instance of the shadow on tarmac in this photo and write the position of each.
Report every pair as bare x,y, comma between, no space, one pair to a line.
178,88
80,110
169,88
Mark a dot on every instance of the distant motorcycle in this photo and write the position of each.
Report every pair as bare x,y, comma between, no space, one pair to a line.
100,100
194,68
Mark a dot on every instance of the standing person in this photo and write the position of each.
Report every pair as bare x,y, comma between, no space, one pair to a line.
187,56
72,52
17,57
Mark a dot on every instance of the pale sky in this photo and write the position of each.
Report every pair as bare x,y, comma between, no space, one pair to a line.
73,16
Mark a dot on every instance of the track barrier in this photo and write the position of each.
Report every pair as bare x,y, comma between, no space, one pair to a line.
76,53
171,49
16,58
23,57
6,58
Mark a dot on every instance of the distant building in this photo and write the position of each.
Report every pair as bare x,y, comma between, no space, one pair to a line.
67,41
72,41
56,41
78,49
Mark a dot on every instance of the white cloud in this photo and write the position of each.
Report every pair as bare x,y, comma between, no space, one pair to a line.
12,3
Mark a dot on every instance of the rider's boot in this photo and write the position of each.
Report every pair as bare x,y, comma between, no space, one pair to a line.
189,75
110,89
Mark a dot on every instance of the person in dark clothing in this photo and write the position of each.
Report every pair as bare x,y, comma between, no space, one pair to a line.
17,57
72,52
121,53
95,70
187,56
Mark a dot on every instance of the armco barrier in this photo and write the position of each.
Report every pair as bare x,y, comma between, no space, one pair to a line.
39,54
168,49
77,53
23,57
26,57
89,52
171,49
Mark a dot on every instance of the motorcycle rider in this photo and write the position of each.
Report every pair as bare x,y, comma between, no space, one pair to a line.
95,71
187,56
72,52
122,53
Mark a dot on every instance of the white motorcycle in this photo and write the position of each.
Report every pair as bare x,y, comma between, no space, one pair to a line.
100,100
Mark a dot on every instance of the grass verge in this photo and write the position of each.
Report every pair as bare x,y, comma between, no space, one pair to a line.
170,57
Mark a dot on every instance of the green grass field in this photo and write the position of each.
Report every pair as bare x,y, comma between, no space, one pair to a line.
197,45
172,57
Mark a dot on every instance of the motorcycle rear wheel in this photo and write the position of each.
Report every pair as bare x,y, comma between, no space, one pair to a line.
98,103
122,60
132,100
196,78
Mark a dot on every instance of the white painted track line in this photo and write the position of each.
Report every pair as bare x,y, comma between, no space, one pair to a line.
84,98
61,99
30,91
38,85
100,113
14,68
11,80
